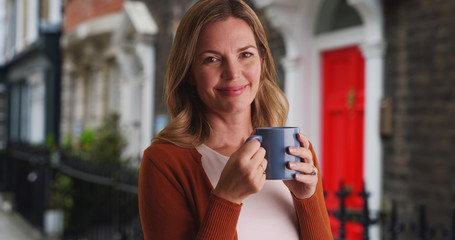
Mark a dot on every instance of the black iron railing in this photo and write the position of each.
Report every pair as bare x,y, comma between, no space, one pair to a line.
105,202
393,227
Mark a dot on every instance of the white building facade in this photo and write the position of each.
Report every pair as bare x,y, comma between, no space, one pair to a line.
109,69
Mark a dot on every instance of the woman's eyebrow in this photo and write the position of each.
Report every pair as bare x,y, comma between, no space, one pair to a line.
247,47
216,52
209,51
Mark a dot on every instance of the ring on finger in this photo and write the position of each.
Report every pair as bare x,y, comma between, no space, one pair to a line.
263,169
314,171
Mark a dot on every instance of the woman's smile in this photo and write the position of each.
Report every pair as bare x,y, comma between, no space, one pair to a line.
232,91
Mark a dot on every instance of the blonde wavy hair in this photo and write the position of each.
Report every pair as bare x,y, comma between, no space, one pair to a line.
188,126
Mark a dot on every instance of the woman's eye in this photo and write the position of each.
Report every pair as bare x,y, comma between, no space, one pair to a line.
247,54
210,60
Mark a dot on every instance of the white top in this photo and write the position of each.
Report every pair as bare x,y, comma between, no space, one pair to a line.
269,214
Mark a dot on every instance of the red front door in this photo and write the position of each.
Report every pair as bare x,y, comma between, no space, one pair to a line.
343,117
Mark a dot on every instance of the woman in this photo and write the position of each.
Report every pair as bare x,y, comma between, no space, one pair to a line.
199,179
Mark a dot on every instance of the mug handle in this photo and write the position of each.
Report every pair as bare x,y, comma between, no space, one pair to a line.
257,137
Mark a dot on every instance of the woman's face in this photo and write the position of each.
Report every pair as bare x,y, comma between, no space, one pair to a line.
226,68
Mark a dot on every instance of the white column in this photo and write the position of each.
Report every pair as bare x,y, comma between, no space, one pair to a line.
125,99
374,74
55,12
147,55
32,19
291,84
373,52
19,41
79,103
136,56
3,27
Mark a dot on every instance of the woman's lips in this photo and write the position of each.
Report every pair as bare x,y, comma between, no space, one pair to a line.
232,91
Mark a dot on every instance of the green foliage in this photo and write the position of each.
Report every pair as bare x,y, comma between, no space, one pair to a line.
50,141
61,196
67,143
87,139
104,145
111,141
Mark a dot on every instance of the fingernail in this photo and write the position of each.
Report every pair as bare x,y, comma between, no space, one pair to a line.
291,149
291,165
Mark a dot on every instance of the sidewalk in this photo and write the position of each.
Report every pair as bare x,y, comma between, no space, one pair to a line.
14,227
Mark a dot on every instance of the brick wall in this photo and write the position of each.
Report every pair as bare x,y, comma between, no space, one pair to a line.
419,158
78,11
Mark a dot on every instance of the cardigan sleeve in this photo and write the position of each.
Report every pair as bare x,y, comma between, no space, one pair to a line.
220,220
312,213
164,208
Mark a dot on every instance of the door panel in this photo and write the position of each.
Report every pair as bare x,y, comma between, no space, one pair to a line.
343,117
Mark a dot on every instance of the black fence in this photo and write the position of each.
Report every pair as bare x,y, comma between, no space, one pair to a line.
102,202
393,227
26,174
110,195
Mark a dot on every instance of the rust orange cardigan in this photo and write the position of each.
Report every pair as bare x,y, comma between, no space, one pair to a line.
176,200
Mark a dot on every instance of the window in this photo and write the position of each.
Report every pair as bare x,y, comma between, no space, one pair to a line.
335,15
27,114
36,108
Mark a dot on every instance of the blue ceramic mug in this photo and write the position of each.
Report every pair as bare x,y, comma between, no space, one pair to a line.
275,141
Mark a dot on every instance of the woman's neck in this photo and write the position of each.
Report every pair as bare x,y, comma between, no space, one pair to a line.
228,134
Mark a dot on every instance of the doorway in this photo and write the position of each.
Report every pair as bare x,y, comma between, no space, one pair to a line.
343,87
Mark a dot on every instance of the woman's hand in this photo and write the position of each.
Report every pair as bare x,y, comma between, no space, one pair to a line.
243,174
304,184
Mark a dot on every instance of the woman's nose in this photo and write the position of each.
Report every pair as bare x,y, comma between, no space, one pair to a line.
231,69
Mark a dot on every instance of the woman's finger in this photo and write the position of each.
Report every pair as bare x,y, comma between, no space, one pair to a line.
307,179
303,140
263,166
304,153
258,157
250,148
251,155
304,168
